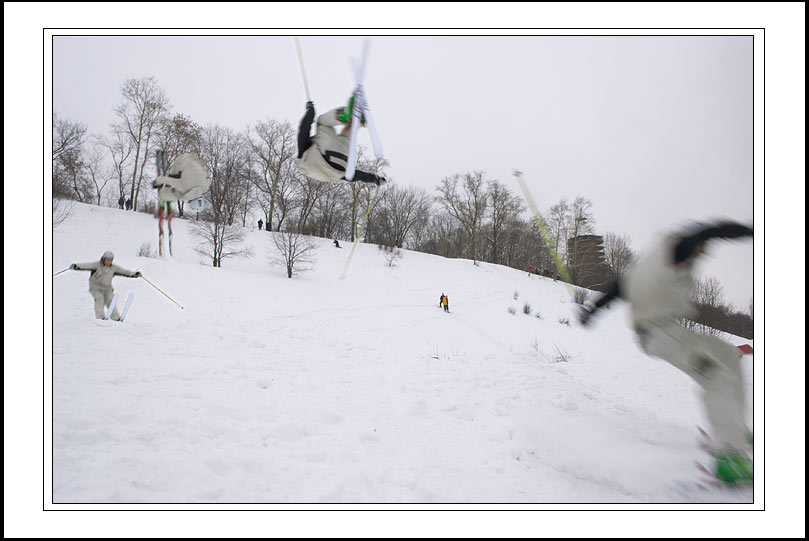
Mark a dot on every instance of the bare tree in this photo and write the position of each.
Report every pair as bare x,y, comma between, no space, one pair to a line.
392,254
618,254
306,192
120,147
294,251
223,152
329,218
360,192
67,136
556,218
503,207
143,108
579,221
707,296
62,210
467,205
401,208
274,146
95,169
67,175
218,240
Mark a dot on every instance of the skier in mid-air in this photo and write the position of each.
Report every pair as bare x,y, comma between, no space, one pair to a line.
659,290
186,180
101,274
324,157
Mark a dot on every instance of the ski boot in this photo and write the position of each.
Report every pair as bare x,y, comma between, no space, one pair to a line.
733,469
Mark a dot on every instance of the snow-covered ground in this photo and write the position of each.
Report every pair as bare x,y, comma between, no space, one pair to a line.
314,389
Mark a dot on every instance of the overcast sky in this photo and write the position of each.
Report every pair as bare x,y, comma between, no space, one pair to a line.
655,131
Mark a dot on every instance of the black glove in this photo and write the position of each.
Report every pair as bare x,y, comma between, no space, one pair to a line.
310,105
74,266
137,274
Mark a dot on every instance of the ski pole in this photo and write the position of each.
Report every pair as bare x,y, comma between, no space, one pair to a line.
359,234
161,291
303,70
543,229
61,271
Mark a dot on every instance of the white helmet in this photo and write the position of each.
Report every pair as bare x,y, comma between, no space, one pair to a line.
107,255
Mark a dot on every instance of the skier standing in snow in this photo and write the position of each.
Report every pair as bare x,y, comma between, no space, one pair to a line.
445,301
659,290
101,274
324,157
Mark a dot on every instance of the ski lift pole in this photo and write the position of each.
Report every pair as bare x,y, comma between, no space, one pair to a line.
359,234
161,291
61,271
543,229
303,70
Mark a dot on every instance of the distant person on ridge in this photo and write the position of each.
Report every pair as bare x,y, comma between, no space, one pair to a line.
324,157
101,274
659,290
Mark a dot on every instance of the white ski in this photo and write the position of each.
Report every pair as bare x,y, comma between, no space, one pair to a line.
360,109
129,298
112,307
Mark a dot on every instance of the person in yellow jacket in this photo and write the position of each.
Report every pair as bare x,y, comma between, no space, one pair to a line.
445,302
101,274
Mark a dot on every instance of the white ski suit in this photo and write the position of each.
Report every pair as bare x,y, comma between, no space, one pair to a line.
185,180
660,290
660,293
101,285
324,157
327,158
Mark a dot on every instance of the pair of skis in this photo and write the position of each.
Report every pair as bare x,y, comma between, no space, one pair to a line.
162,170
127,305
360,112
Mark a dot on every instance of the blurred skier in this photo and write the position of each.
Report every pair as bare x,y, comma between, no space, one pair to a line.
101,274
324,157
659,290
186,180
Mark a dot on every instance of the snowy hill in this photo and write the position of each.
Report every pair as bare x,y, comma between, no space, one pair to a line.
313,389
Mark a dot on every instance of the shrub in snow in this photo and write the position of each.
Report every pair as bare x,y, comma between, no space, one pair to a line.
512,310
581,295
146,250
564,321
391,253
560,356
526,309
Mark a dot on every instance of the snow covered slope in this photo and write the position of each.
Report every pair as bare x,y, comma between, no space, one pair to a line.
312,389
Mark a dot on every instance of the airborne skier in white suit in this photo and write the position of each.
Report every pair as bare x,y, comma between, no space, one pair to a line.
659,290
324,157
